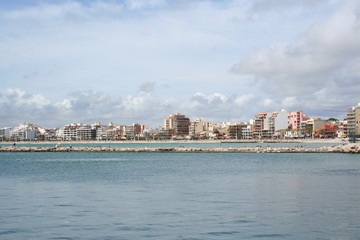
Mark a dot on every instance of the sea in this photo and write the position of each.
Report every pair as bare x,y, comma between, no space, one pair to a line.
118,195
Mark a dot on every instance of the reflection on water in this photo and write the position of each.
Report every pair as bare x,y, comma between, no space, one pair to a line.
179,196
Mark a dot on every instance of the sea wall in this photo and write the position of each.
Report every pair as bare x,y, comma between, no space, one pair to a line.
349,148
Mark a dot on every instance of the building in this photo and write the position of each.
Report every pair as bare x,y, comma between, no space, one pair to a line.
133,131
312,124
281,123
25,132
5,133
353,121
177,125
327,131
343,129
268,125
281,120
294,134
258,125
238,131
70,132
107,132
79,131
295,119
85,132
199,129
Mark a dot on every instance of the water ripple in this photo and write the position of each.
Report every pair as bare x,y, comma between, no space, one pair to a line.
179,196
274,235
223,233
11,231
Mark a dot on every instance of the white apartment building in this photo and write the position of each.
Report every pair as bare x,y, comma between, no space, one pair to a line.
70,132
78,131
246,132
5,133
266,125
281,120
25,132
86,132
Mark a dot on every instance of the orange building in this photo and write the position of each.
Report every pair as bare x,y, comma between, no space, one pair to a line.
327,131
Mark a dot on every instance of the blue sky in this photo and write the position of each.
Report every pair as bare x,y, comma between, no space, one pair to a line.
139,61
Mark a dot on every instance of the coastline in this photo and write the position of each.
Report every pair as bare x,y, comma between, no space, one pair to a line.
353,148
184,141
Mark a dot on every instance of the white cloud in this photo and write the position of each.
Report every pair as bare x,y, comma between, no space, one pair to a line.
17,106
18,99
144,107
214,99
268,103
326,57
65,104
270,5
218,107
245,99
103,50
87,44
289,102
138,4
70,10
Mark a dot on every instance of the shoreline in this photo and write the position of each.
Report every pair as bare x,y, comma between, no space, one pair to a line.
349,148
183,141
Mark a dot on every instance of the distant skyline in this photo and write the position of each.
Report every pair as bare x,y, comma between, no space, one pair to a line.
140,60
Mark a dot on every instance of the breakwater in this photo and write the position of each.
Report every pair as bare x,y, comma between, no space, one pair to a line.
349,148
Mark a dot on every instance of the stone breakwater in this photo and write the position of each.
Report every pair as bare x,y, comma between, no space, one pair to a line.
349,148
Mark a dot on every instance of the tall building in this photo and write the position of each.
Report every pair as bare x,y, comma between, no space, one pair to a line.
25,132
85,132
69,132
258,125
132,131
238,130
274,122
281,120
177,125
199,128
269,125
79,131
5,133
353,120
295,119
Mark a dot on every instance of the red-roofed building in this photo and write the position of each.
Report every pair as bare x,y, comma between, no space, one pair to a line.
327,131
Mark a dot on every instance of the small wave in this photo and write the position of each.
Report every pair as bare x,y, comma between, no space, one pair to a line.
11,231
62,238
274,235
347,172
66,205
242,221
223,233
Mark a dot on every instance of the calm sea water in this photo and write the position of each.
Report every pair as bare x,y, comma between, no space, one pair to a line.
179,196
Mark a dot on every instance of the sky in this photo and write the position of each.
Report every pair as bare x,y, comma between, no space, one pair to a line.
138,61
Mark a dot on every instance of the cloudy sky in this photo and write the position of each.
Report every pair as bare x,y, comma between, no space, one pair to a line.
127,61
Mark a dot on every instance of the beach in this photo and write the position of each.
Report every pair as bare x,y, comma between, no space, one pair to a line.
303,141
